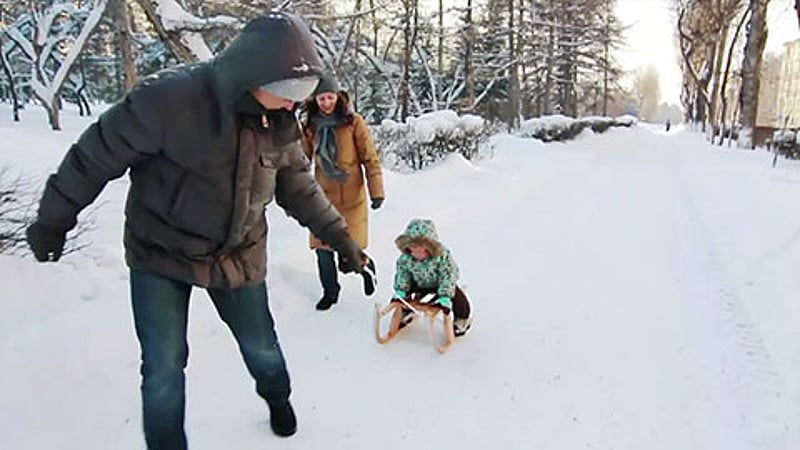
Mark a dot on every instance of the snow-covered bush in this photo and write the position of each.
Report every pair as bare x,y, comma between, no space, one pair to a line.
784,137
551,128
597,124
18,202
625,121
786,143
563,128
17,211
428,138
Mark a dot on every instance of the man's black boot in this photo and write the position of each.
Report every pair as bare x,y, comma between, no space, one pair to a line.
282,419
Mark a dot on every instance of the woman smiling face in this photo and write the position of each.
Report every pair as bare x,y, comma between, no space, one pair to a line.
327,102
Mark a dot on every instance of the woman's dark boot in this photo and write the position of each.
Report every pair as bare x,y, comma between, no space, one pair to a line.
326,302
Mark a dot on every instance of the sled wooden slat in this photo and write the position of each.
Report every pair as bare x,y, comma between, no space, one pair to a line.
449,336
442,344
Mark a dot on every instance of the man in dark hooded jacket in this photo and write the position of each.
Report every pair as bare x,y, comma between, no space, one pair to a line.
207,146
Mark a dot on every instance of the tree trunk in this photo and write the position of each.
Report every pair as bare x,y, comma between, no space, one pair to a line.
697,98
606,44
522,42
719,50
357,75
53,116
174,40
405,88
550,61
375,28
351,30
703,101
751,68
440,46
513,95
83,103
725,77
122,22
12,86
469,69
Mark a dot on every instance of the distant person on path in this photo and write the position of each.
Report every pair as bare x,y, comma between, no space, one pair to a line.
338,140
428,267
207,146
669,124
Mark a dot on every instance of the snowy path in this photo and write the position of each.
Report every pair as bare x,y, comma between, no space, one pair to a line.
615,279
607,321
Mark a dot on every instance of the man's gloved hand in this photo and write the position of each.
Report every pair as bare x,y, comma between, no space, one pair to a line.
377,202
445,303
46,243
351,258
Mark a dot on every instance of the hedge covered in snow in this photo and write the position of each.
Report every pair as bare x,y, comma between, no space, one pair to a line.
563,128
430,137
786,143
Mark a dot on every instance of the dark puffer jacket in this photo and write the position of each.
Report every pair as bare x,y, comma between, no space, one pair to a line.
204,158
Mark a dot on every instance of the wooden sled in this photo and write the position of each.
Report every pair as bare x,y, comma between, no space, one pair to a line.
418,308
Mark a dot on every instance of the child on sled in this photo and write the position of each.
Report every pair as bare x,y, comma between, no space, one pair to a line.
427,267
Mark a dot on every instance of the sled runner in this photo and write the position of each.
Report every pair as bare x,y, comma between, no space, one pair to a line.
403,313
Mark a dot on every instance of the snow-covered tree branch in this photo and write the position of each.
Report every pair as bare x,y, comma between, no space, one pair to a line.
51,39
182,31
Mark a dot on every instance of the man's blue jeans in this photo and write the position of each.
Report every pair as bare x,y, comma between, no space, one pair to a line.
160,313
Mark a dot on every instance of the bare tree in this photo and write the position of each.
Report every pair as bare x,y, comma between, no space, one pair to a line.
726,76
704,30
16,211
565,53
411,15
182,31
751,70
513,70
469,49
122,23
649,92
52,45
440,39
723,14
607,16
18,200
694,38
5,65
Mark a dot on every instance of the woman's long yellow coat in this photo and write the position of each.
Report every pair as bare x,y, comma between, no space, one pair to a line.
358,157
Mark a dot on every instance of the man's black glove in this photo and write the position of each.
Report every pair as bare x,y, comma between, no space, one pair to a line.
351,258
377,202
46,243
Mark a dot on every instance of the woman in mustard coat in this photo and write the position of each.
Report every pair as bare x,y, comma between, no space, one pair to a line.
346,166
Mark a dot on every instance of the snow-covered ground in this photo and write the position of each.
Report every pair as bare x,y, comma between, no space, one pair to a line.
632,290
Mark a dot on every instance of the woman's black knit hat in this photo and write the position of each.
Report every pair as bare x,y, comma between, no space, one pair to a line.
327,83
